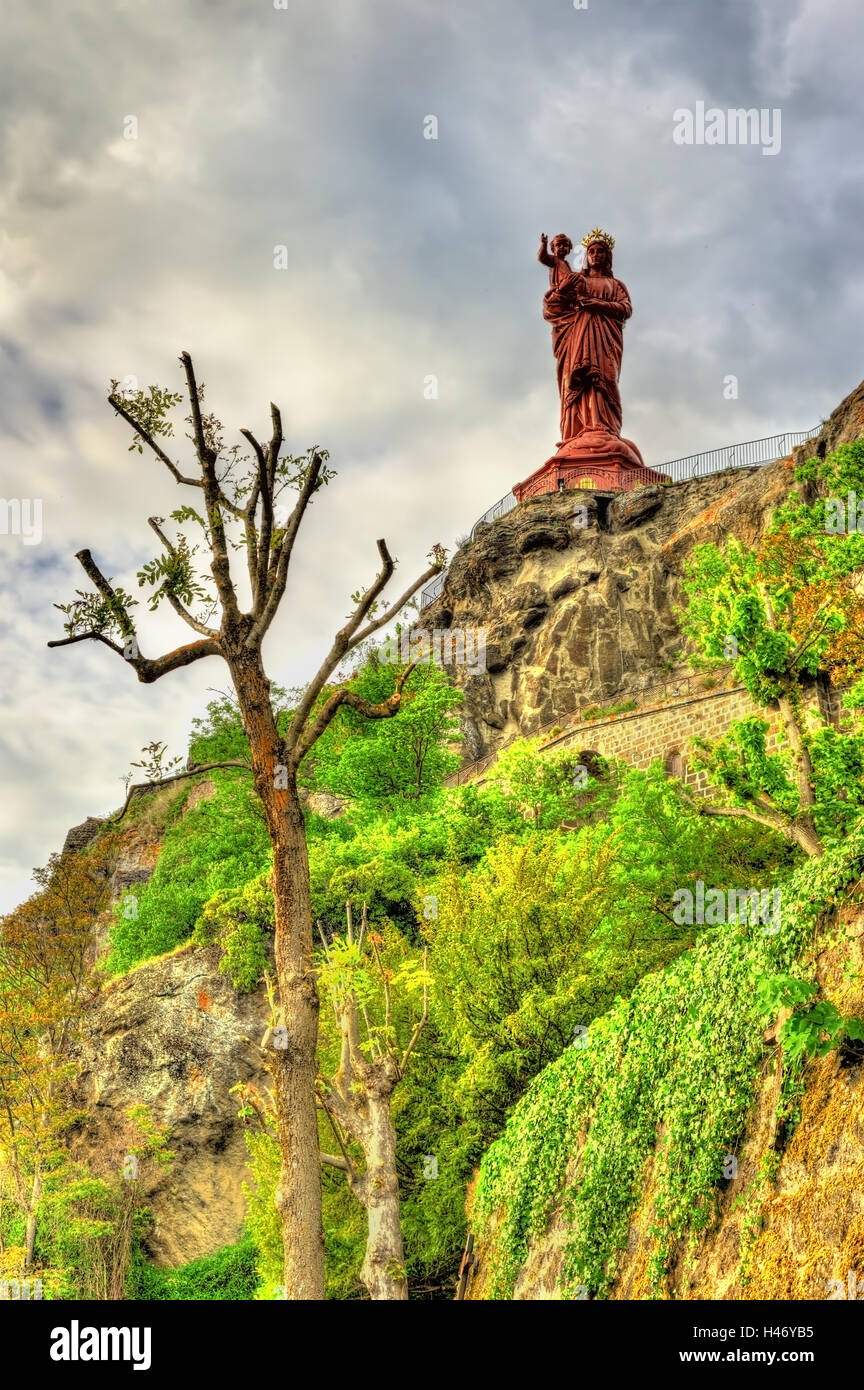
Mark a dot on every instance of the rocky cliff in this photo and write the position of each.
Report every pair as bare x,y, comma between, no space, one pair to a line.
174,1036
792,1218
577,592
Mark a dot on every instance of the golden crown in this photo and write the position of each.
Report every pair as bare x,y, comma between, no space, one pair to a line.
599,235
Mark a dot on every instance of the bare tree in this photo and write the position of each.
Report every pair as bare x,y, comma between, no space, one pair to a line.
239,497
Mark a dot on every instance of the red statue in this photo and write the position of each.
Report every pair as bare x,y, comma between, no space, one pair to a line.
587,310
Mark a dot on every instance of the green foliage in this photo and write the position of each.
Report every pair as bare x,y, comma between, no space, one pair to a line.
90,1217
544,790
241,921
811,1030
675,1066
79,1221
344,1223
221,844
229,1274
262,1218
544,933
379,857
534,932
171,575
386,760
219,735
604,711
154,765
150,409
789,613
94,613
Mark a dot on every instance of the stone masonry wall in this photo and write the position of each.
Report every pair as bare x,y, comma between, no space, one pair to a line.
656,731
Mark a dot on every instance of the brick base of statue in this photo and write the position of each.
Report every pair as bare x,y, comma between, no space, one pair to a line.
593,459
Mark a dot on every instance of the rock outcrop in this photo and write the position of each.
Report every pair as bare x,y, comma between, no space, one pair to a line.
173,1035
577,592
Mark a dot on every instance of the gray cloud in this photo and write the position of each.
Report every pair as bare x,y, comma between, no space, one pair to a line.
407,257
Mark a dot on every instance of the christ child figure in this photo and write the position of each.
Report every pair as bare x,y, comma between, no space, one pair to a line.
555,256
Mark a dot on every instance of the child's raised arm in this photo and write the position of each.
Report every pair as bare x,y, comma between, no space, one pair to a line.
543,254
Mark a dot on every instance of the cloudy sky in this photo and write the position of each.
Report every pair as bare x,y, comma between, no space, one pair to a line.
407,258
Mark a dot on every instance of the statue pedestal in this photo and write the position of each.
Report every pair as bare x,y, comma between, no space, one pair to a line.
593,459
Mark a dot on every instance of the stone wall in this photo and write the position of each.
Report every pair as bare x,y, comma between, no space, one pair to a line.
662,730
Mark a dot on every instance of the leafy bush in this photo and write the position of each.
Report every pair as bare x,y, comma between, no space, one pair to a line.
229,1274
241,921
682,1056
220,844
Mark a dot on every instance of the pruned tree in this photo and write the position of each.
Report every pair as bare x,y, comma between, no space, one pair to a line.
241,509
357,1097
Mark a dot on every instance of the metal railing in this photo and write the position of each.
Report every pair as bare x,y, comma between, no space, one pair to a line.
752,453
501,508
432,591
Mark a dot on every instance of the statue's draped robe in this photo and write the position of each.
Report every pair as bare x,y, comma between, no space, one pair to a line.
588,344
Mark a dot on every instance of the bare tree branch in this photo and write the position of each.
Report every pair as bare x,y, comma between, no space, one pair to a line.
773,821
86,637
206,455
146,670
214,500
395,608
150,671
97,578
268,494
385,710
341,645
335,1162
117,403
258,574
277,577
175,603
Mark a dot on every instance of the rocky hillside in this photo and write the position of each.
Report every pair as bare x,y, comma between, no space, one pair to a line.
576,615
174,1036
579,615
784,1216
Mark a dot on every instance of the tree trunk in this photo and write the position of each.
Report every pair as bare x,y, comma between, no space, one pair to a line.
296,1064
32,1215
383,1270
806,838
294,1057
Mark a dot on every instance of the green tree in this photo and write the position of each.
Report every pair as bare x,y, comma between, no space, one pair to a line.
545,932
402,759
45,984
790,614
